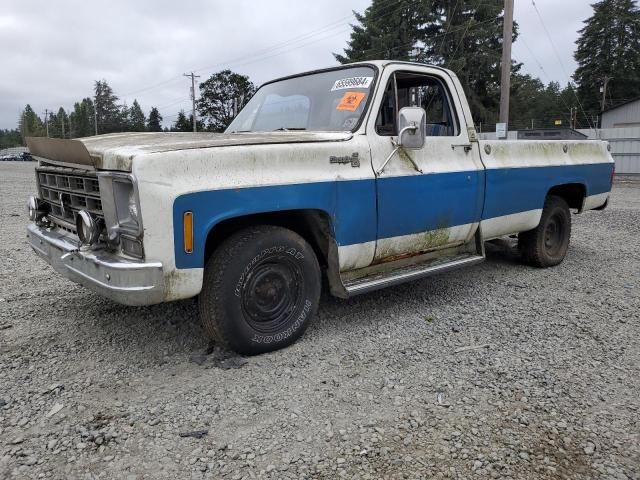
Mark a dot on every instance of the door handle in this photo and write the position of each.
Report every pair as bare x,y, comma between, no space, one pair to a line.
467,146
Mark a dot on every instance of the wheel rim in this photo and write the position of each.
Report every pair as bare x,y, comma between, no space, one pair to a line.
554,235
270,293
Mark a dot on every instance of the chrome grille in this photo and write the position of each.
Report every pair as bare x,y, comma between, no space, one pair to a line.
67,191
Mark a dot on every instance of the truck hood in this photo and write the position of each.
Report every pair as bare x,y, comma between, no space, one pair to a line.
117,151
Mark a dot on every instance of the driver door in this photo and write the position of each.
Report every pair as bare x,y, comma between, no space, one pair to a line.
441,206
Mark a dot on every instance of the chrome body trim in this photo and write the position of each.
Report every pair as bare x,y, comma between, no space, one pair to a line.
126,281
114,229
413,272
66,191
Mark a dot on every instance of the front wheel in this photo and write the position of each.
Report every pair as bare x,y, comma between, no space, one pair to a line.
547,244
261,289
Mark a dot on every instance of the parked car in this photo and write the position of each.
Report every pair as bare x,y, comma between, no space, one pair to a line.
370,174
16,157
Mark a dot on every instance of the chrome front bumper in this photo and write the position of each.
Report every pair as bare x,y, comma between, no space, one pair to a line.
124,281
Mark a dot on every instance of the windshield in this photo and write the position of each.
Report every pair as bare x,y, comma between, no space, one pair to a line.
327,101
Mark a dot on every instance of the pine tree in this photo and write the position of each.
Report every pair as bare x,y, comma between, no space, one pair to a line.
386,30
182,124
466,37
109,113
609,46
124,123
218,96
30,124
10,138
462,35
137,119
154,124
62,120
82,119
55,130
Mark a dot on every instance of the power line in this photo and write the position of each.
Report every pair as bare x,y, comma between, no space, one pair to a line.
463,34
447,29
466,26
555,51
306,35
239,62
433,37
173,102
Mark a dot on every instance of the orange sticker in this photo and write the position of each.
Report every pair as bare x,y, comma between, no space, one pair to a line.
350,101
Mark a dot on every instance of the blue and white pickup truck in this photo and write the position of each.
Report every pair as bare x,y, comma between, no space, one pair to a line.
368,175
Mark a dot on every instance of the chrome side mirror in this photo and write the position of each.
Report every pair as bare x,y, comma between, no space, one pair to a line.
412,127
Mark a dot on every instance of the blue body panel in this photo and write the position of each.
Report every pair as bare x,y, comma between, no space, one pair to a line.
351,206
513,190
408,204
420,203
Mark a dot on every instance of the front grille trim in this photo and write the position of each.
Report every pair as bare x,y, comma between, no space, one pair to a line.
68,190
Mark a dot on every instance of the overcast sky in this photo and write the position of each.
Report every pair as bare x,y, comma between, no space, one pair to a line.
52,51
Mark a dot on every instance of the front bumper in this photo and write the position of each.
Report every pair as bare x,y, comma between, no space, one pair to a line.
124,281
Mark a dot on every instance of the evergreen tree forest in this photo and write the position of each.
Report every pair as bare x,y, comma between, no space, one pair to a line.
466,36
462,35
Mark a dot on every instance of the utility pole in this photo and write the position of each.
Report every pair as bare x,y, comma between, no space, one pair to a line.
46,120
193,97
505,80
95,117
604,91
62,124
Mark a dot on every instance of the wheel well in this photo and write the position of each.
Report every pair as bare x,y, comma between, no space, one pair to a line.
572,193
312,225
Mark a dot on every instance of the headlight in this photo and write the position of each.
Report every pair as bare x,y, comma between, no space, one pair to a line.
37,209
88,228
32,207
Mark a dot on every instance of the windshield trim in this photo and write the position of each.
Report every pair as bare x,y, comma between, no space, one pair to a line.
365,111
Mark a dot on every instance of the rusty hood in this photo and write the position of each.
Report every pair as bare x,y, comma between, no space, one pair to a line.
117,151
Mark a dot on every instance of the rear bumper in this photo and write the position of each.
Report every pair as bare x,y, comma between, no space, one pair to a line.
124,281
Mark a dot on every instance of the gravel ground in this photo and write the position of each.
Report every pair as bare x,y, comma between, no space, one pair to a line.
382,386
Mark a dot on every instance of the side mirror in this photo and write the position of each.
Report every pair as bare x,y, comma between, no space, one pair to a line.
412,125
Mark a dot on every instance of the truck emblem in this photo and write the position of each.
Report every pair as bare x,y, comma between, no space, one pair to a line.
354,159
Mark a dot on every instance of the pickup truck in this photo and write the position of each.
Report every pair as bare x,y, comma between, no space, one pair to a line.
364,176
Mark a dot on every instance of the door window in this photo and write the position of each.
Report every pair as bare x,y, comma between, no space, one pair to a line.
407,89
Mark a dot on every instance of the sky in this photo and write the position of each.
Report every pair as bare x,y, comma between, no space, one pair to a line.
51,52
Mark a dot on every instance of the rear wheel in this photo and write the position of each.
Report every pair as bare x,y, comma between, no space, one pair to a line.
547,244
261,289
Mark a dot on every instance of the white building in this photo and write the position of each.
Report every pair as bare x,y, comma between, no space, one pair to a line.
624,115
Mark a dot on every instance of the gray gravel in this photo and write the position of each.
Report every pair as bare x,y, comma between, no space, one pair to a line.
381,386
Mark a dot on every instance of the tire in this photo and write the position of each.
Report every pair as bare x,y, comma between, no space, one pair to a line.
547,244
261,289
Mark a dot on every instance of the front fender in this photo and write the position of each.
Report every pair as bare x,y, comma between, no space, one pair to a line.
209,208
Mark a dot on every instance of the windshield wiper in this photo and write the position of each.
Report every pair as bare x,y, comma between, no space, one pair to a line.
286,129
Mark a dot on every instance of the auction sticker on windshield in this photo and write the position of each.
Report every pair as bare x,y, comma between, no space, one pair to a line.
352,82
350,101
